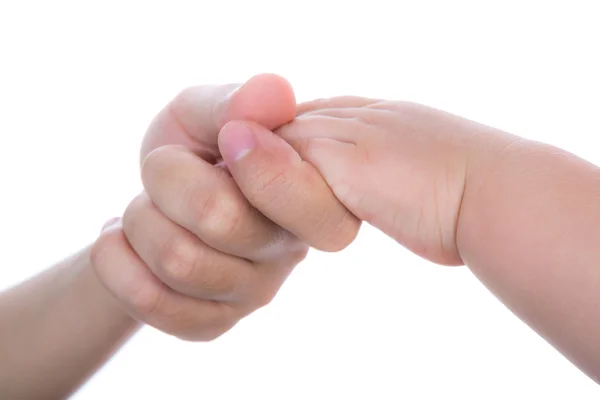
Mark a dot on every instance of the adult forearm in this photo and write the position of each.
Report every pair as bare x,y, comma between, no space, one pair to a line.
56,330
529,228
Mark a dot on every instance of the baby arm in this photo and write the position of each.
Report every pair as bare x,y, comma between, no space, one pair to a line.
529,229
523,216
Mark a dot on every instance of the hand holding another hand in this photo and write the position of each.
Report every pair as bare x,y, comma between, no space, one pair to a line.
194,254
399,166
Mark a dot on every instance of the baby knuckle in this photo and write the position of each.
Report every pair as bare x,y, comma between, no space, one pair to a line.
265,297
369,119
207,330
305,147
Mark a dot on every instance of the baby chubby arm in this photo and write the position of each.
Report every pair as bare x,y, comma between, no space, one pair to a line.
529,229
524,216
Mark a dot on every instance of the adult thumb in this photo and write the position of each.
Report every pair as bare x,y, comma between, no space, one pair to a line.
286,189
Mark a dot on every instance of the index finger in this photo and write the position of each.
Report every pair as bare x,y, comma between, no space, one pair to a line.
195,116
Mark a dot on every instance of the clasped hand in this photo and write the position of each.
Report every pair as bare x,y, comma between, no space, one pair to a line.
240,182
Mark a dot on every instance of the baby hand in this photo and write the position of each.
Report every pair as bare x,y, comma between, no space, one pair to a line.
399,166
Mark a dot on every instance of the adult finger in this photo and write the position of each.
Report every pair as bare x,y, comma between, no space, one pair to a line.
283,187
181,260
147,299
193,118
206,201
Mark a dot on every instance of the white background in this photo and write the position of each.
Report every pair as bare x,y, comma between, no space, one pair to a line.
79,82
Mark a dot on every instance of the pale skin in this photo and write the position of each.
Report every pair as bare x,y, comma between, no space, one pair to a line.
190,256
192,261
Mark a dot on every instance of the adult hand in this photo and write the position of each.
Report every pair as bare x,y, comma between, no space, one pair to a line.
193,256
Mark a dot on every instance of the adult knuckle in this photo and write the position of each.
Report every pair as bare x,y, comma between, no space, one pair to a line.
145,299
204,273
208,334
270,187
267,180
298,254
183,102
216,283
338,231
266,296
346,233
295,250
133,214
218,330
185,95
324,231
266,299
178,259
347,230
156,163
219,215
156,156
99,251
207,329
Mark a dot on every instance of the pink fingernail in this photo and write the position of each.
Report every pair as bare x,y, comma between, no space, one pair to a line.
235,141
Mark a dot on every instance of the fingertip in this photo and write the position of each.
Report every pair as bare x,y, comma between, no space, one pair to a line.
343,235
267,99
